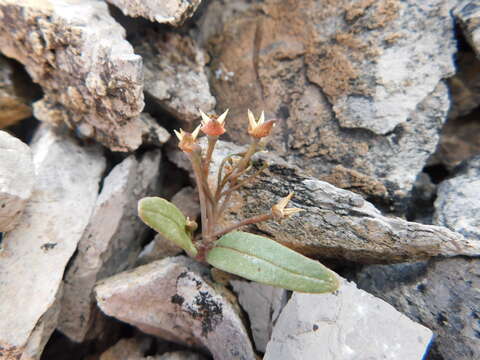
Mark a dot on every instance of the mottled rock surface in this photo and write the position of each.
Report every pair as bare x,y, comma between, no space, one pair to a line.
349,324
335,223
175,77
13,106
17,177
111,241
172,12
323,69
90,76
458,201
34,255
172,299
442,295
263,304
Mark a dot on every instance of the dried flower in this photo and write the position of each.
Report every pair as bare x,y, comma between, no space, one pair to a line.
213,126
278,210
259,129
188,141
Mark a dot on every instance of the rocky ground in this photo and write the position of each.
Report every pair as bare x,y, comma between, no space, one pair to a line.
378,134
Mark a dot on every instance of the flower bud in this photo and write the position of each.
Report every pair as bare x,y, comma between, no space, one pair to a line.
278,210
188,141
213,126
261,128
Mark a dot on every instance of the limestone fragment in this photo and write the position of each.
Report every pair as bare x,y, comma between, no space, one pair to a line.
458,201
34,255
263,304
111,242
348,324
335,223
17,178
441,294
91,79
467,12
175,77
172,12
172,299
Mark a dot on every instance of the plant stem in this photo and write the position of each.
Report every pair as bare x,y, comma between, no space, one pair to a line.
196,161
212,140
249,221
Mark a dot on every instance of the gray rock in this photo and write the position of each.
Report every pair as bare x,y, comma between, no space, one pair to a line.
172,299
77,52
127,349
172,12
442,295
16,180
324,71
467,13
175,76
13,105
335,223
349,324
111,242
152,133
263,304
177,355
458,202
34,255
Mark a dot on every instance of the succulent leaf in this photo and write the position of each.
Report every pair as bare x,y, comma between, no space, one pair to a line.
165,218
266,261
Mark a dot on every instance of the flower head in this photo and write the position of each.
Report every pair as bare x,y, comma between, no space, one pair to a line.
188,141
212,125
260,128
278,210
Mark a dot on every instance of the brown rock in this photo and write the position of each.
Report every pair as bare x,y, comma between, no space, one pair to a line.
76,51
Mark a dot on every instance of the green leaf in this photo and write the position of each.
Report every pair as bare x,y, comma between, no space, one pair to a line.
165,218
266,261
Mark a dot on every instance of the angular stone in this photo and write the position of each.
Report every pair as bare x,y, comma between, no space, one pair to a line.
34,255
331,86
16,180
172,12
263,304
13,106
90,76
441,294
348,324
335,223
175,76
467,13
128,349
458,201
111,241
172,299
152,132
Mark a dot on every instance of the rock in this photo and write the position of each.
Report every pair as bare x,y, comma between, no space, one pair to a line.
127,349
467,13
111,241
13,106
90,76
172,12
348,324
171,298
458,202
16,180
34,255
335,223
175,76
178,355
263,303
442,295
187,201
152,133
324,71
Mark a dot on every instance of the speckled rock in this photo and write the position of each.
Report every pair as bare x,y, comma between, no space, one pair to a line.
17,177
172,299
348,324
34,255
91,78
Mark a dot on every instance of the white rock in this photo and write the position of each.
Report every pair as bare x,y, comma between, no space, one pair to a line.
171,298
173,12
16,180
111,242
34,255
349,324
263,304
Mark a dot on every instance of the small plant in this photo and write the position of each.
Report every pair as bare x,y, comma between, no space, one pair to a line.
248,255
